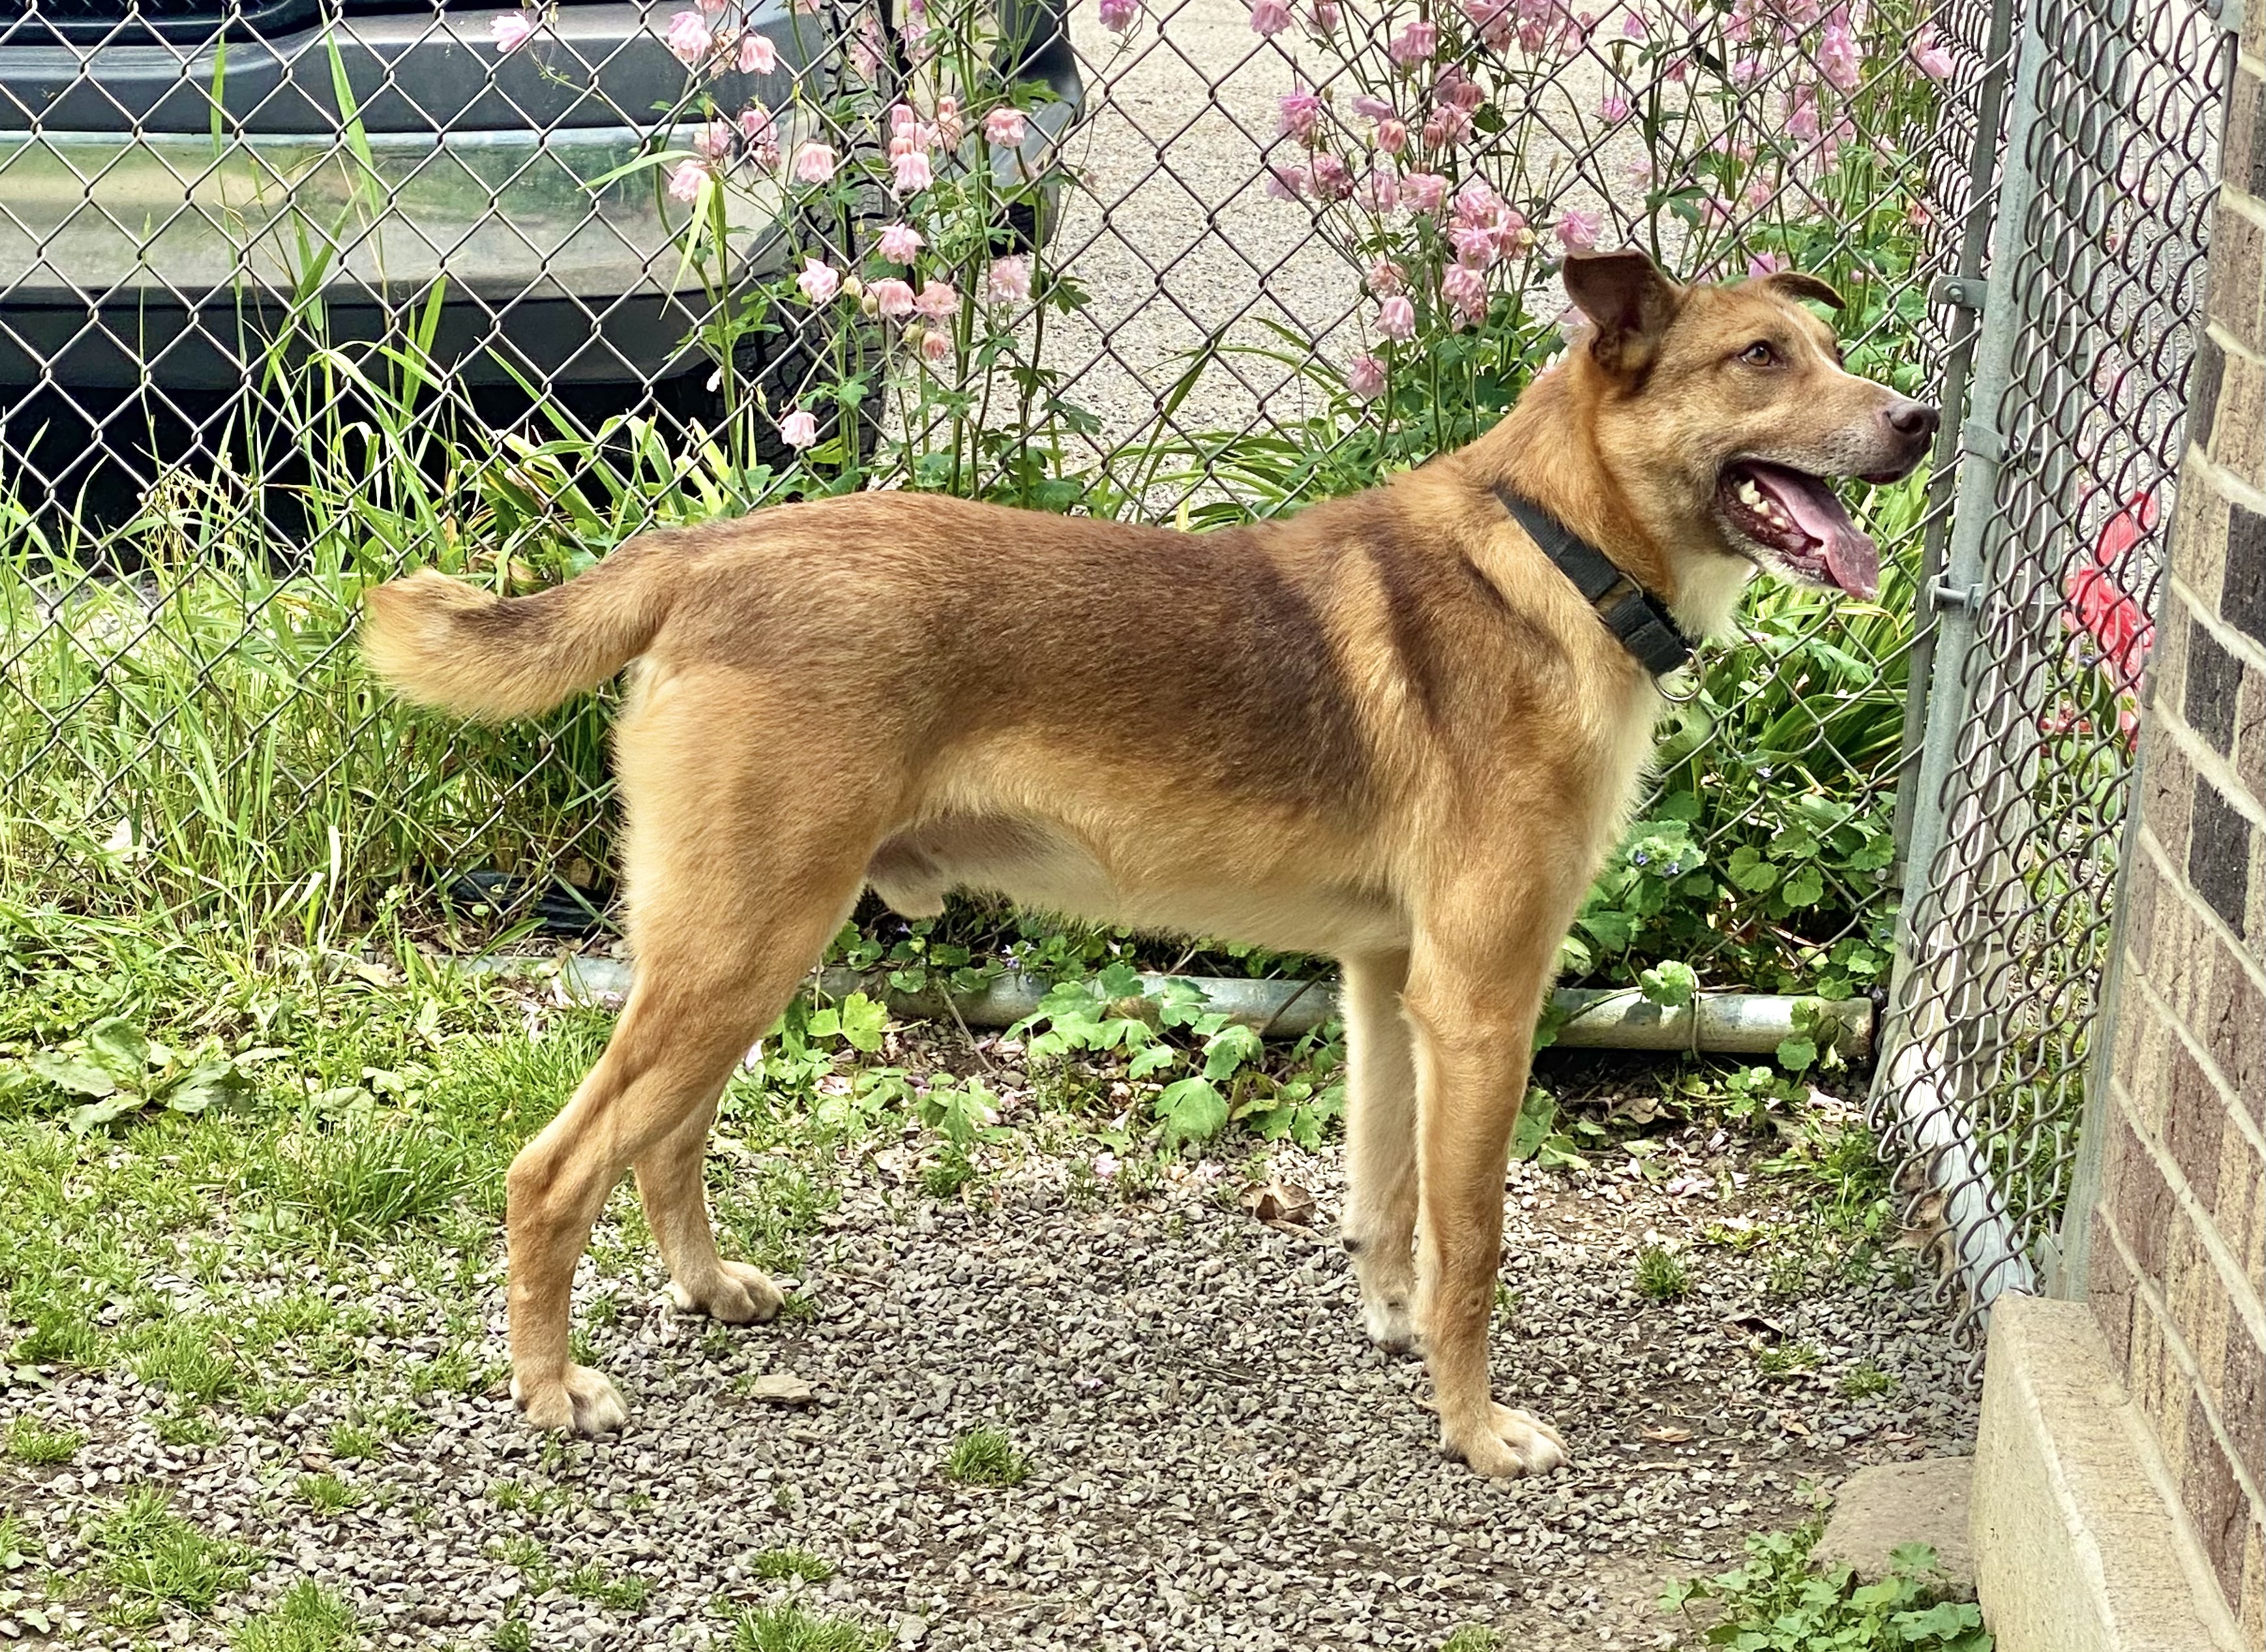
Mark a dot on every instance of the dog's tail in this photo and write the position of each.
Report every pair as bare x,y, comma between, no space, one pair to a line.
441,642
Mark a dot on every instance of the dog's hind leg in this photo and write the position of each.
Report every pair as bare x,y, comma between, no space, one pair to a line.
1380,1225
739,872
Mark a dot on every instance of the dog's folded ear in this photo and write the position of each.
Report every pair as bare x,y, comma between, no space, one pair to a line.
1794,284
1629,303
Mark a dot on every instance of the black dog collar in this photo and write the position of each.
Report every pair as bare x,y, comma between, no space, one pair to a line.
1633,614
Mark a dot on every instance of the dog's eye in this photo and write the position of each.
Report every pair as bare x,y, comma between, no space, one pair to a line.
1759,354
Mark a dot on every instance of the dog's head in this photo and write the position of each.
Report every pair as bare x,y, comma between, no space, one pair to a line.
1727,417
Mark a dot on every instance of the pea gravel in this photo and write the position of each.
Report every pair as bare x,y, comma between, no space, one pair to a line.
1216,1457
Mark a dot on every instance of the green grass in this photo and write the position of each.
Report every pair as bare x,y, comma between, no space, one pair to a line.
1660,1275
190,1357
985,1457
1864,1380
1785,1359
771,1565
31,1441
786,1627
1472,1637
152,1558
515,1634
307,1618
366,1181
593,1582
327,1493
356,1442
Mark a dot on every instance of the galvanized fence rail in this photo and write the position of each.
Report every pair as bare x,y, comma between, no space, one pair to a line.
296,294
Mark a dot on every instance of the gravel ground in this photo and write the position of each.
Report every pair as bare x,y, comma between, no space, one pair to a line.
1216,1457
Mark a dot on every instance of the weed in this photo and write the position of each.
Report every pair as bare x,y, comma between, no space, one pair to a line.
190,1358
365,1181
1785,1359
801,1308
513,1634
308,1617
774,1564
184,1427
1472,1637
786,1627
59,1336
151,1557
1864,1380
591,1582
31,1441
951,1170
528,1557
354,1442
1774,1600
1660,1275
985,1457
518,1497
327,1493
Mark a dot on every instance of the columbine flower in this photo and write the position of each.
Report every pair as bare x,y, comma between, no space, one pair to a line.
757,55
900,242
689,37
510,30
1802,115
715,140
1326,15
1380,192
892,299
1392,136
949,127
1386,278
1301,116
1764,264
763,140
1370,108
798,429
1838,58
911,172
1465,290
1396,318
935,346
1475,244
1332,179
1578,231
814,164
1010,280
819,281
1415,44
1365,376
1117,15
1269,17
1632,26
684,183
1007,127
1286,183
938,301
1613,109
1424,192
1931,54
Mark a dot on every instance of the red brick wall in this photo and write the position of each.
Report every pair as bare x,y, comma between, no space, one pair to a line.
2178,1250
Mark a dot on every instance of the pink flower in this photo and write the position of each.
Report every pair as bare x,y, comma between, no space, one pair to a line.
1007,127
1764,264
1512,237
1332,179
900,242
1632,26
1838,58
711,7
1417,43
1301,115
814,164
1386,278
935,346
1613,109
510,30
1578,231
689,37
684,183
1463,289
1270,17
1424,192
1326,15
1931,54
1494,22
911,172
1746,70
1392,136
819,281
938,301
1010,280
1458,90
1117,16
1365,376
715,140
949,127
757,55
892,299
763,141
1475,244
1396,318
1447,124
798,429
1801,114
1370,108
1380,192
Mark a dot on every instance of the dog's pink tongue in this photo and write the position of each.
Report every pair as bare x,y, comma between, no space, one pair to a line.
1852,561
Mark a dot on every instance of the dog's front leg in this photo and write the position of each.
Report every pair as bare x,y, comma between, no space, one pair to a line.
1379,1226
1474,1021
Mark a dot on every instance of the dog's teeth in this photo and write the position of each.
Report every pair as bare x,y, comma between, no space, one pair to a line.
1749,493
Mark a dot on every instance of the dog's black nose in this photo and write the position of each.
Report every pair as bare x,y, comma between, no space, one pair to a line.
1913,420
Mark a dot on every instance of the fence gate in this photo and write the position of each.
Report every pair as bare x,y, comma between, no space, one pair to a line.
2075,387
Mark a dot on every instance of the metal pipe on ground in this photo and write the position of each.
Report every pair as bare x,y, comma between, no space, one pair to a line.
1714,1023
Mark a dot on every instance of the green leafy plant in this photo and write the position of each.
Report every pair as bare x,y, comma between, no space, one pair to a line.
152,1558
1775,1604
1660,1274
122,1071
306,1618
33,1441
985,1457
775,1564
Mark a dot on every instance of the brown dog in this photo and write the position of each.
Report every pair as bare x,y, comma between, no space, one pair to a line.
1388,728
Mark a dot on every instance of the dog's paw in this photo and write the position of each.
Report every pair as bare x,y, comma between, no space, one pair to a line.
580,1401
738,1294
1507,1445
1391,1322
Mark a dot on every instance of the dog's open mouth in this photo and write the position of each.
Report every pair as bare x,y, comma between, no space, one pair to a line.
1793,517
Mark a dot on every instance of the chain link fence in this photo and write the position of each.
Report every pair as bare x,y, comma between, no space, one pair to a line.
306,292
